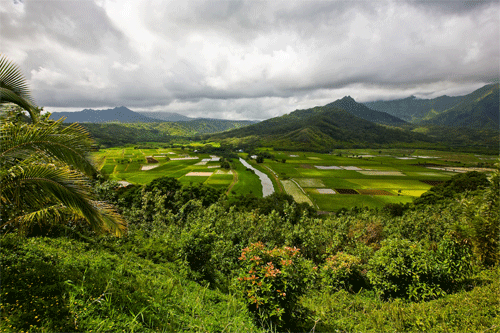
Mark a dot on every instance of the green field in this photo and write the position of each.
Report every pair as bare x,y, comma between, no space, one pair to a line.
343,179
384,176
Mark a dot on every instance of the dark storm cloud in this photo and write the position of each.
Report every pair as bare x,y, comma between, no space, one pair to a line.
248,59
75,24
452,6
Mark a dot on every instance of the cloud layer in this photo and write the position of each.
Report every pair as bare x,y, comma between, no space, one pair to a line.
248,59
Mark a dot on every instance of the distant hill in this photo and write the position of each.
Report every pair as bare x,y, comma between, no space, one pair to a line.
349,104
480,109
119,114
164,116
415,109
115,134
321,128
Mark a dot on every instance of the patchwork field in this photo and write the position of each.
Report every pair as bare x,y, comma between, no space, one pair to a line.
141,166
371,178
343,179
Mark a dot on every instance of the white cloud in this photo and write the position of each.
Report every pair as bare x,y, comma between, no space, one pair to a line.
48,77
248,59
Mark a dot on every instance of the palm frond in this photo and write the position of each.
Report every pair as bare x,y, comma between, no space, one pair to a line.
33,187
14,88
44,166
68,145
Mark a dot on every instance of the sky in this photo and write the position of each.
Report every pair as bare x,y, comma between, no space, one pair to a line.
247,59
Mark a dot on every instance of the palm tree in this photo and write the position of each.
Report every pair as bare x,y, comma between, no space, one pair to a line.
44,167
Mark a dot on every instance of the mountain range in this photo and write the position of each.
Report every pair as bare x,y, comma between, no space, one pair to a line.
164,116
479,109
119,114
342,123
327,127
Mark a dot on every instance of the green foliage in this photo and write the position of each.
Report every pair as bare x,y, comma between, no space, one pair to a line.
406,269
459,183
342,271
117,134
58,285
481,222
272,281
45,174
402,268
178,265
14,88
477,310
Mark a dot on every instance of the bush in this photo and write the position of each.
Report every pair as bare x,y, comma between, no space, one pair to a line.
272,281
342,271
402,268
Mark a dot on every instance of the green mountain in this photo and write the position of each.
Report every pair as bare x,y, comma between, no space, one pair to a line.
479,110
164,116
349,104
114,133
120,114
414,109
322,128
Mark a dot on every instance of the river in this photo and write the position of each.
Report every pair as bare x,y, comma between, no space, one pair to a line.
267,184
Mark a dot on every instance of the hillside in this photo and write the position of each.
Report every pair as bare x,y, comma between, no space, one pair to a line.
112,134
164,116
414,109
120,114
479,110
349,104
322,128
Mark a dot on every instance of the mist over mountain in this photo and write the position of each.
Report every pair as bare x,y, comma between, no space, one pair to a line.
414,109
479,109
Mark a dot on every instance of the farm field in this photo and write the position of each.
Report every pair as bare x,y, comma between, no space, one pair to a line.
131,165
344,179
367,178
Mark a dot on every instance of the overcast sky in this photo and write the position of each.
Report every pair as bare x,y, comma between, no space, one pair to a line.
247,59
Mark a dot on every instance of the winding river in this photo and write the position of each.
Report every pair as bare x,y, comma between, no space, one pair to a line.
267,184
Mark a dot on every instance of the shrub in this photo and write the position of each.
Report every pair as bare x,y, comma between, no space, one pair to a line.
342,271
272,281
402,268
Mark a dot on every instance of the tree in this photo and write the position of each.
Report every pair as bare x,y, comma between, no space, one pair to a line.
45,171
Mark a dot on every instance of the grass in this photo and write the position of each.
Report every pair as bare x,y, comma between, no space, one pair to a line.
292,189
473,311
62,285
248,182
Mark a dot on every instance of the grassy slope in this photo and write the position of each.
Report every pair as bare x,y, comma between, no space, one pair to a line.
474,311
63,285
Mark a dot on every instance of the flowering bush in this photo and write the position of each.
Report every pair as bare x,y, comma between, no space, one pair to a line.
272,280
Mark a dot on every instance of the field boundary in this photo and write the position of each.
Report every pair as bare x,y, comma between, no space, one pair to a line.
304,192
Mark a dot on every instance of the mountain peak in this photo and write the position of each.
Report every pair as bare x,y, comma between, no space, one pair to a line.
121,108
347,99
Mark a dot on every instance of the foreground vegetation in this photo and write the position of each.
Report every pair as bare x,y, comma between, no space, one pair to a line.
191,259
